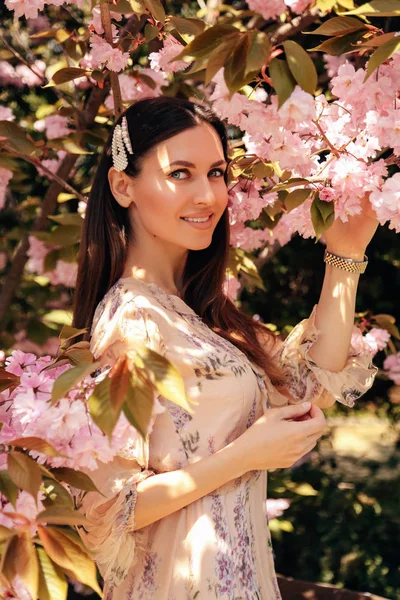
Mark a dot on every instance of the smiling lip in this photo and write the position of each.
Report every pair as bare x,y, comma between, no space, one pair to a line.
199,225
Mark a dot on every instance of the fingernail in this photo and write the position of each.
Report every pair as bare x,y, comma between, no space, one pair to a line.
306,404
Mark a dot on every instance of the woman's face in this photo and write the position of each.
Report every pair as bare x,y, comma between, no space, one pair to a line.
182,177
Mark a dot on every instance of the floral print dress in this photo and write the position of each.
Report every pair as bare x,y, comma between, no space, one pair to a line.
218,546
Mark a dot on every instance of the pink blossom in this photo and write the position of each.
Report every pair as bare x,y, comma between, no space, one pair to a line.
52,164
247,238
8,75
25,8
64,274
298,6
31,76
135,88
348,84
392,365
333,63
245,203
386,202
232,287
377,339
299,107
96,20
5,176
103,54
56,126
267,9
25,505
37,252
327,194
276,507
160,61
6,114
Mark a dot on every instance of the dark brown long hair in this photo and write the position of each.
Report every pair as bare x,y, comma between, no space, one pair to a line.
107,232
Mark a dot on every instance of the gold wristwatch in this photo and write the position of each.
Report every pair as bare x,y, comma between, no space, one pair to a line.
347,264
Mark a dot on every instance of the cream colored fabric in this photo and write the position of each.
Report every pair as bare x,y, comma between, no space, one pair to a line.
219,546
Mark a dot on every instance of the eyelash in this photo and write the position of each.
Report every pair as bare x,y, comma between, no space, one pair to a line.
188,172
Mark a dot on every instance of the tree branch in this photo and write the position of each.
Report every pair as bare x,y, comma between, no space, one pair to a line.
295,26
106,22
49,205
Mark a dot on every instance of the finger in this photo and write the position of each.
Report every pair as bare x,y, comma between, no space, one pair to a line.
314,425
293,410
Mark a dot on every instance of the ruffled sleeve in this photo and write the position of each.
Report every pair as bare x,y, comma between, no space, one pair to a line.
305,380
119,325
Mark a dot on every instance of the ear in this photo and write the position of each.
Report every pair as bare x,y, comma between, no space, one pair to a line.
122,187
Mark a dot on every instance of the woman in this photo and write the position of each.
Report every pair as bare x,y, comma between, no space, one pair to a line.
183,513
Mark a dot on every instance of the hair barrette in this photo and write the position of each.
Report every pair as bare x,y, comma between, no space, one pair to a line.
120,144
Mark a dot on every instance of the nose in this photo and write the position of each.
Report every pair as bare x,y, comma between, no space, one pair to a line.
205,192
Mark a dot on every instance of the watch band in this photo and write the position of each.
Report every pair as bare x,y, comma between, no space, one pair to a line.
347,264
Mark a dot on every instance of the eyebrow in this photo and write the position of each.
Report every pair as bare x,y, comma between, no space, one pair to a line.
185,163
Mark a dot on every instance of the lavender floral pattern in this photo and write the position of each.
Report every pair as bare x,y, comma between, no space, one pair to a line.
219,546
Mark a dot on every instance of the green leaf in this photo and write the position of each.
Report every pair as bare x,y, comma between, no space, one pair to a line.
71,143
69,556
187,26
56,494
218,57
76,479
8,380
36,444
21,559
378,8
322,216
342,44
381,54
234,72
387,322
286,185
66,74
100,407
205,42
338,26
24,472
150,32
296,198
282,79
61,515
156,9
64,235
301,66
16,138
6,533
68,219
166,378
122,7
261,170
119,381
68,333
52,582
67,380
139,402
258,51
60,317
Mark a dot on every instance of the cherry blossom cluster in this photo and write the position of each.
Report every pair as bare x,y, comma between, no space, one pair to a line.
67,425
21,74
334,145
64,272
274,8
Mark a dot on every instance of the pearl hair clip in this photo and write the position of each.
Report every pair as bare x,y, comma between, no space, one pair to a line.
120,144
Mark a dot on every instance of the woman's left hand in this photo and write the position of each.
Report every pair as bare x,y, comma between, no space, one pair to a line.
351,239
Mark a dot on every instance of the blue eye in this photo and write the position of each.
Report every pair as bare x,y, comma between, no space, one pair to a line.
219,171
172,175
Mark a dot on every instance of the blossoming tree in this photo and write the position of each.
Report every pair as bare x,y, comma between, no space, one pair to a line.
309,91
